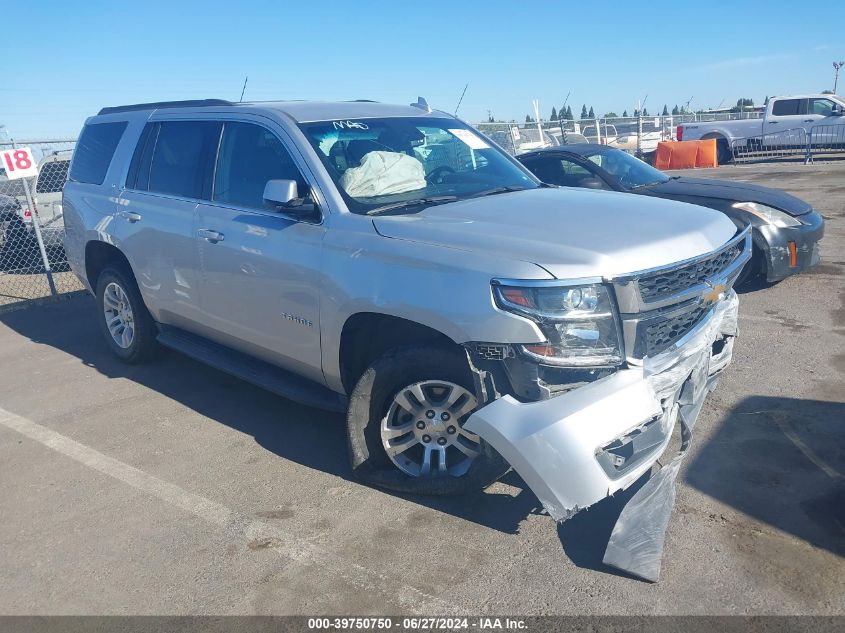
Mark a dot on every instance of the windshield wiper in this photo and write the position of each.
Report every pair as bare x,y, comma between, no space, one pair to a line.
495,190
411,203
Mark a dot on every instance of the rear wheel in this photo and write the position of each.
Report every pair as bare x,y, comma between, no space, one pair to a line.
405,425
126,323
724,155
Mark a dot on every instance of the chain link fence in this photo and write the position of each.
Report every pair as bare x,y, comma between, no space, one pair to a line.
33,264
637,135
640,136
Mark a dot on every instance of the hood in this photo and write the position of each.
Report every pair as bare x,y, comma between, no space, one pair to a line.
570,232
731,191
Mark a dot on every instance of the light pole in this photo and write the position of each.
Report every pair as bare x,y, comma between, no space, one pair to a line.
836,67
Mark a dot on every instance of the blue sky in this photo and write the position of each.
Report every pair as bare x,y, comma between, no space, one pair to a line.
76,57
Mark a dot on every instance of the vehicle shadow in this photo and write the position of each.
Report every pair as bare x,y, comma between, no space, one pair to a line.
782,462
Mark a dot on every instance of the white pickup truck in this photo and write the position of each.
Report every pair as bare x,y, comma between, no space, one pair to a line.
787,120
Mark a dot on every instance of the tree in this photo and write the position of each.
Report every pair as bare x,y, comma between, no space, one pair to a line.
827,92
675,110
591,114
584,114
529,118
665,110
569,115
610,115
554,114
645,111
625,113
741,104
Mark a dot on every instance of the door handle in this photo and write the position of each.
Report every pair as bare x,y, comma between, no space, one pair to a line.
211,236
808,120
131,216
772,122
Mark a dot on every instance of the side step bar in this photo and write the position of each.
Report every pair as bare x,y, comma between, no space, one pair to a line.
259,373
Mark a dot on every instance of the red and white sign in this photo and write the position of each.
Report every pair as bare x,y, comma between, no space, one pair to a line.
18,163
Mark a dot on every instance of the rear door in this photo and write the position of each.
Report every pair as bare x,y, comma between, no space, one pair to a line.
170,172
260,268
786,115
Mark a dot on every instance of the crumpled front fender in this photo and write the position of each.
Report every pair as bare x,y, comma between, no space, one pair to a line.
580,447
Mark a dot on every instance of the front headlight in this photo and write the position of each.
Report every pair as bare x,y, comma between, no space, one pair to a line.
578,322
768,214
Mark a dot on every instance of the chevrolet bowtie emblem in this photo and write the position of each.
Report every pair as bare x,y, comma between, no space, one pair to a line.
715,292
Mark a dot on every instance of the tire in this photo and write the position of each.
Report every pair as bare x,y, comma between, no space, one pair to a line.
372,405
118,294
752,270
724,156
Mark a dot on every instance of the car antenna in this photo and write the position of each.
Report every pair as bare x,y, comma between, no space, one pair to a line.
461,99
243,89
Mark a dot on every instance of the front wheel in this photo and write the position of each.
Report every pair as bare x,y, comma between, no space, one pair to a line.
405,425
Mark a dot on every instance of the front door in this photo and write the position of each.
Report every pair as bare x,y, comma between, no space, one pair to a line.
828,129
260,268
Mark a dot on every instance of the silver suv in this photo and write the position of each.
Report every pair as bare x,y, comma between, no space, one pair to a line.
394,263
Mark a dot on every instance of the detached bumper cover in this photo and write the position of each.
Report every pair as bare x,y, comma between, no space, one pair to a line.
777,247
581,447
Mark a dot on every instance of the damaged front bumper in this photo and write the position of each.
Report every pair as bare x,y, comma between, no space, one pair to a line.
577,448
792,249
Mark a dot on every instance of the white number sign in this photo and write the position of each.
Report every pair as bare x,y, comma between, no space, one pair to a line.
18,163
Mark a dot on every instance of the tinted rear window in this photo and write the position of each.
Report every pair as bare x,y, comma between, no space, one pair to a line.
94,151
181,158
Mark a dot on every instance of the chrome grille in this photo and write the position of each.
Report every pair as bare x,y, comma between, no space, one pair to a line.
666,283
661,335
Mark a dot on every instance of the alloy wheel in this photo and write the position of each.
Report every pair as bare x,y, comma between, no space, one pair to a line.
423,432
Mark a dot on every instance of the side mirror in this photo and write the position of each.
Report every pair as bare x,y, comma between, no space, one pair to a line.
592,183
280,193
838,110
283,196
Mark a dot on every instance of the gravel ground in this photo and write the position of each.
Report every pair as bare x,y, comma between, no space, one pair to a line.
174,489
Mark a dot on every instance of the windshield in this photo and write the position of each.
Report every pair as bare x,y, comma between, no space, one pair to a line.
630,171
394,162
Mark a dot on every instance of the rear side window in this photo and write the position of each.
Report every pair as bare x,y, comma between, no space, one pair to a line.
52,176
94,152
787,107
181,158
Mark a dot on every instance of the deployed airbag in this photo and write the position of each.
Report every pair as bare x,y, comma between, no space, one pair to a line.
383,173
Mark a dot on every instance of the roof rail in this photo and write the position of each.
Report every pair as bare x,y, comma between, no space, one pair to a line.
195,103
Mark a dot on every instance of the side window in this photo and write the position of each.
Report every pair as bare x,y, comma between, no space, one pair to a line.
181,157
52,176
149,132
559,171
786,107
823,107
250,156
94,151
